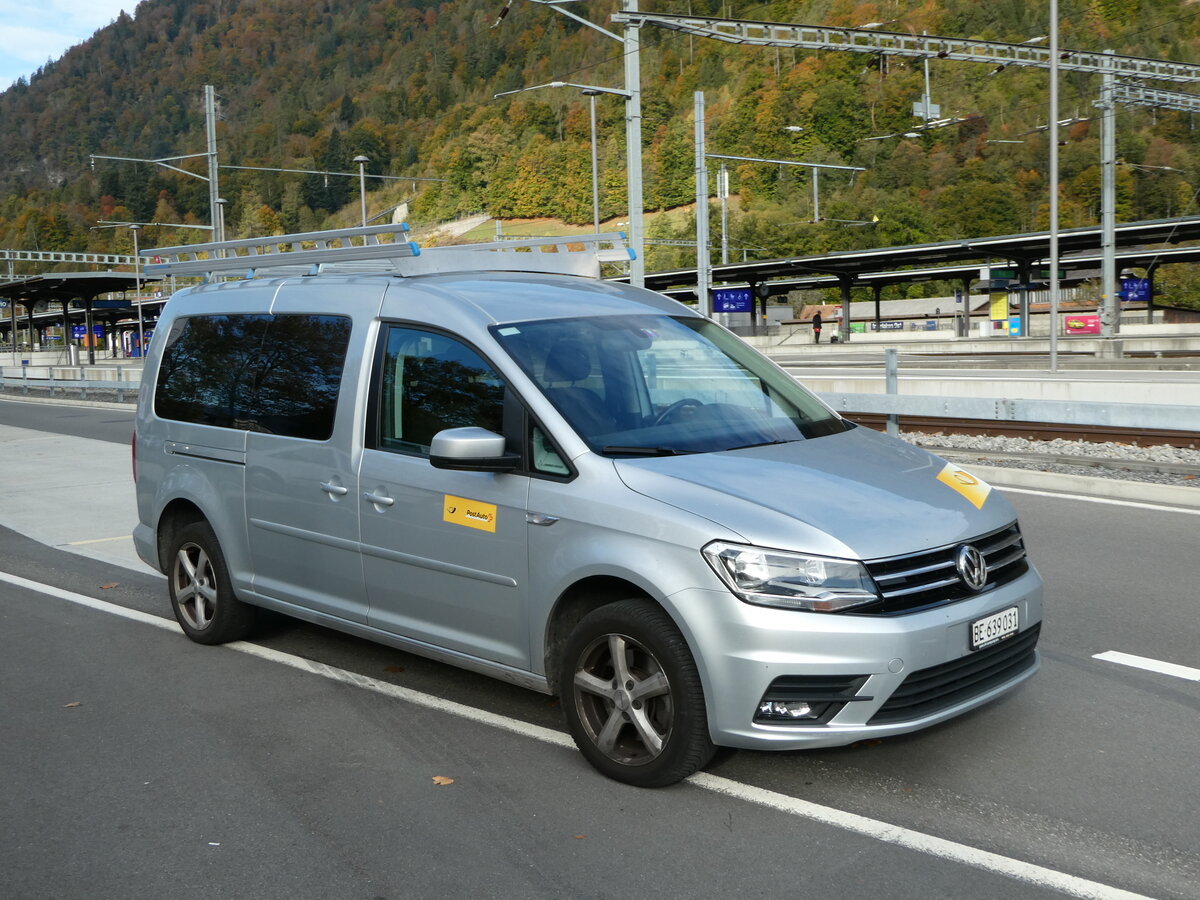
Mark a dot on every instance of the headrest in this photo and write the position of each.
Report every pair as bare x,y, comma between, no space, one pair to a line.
568,360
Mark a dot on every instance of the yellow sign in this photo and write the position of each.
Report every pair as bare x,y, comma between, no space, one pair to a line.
974,489
472,513
998,309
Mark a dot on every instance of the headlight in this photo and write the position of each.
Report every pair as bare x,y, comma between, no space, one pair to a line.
791,580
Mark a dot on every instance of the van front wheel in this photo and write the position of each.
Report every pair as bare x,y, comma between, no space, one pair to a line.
201,592
632,696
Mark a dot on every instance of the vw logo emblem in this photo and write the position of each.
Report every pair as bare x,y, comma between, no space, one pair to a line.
972,567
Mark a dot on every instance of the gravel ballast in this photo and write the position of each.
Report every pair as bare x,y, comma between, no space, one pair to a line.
1179,466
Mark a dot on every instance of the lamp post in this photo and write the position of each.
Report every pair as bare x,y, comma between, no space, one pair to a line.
590,91
219,222
630,41
362,184
137,292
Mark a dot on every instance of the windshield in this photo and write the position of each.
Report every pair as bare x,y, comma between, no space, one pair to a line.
657,385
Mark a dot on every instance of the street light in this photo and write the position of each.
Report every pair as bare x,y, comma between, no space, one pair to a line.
630,41
362,184
590,91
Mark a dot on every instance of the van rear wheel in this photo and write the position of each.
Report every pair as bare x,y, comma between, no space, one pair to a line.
201,592
632,697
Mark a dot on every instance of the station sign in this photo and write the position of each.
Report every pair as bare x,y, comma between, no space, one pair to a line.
733,300
893,325
1135,290
78,331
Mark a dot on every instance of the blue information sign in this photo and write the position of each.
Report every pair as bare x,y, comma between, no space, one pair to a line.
1135,290
733,300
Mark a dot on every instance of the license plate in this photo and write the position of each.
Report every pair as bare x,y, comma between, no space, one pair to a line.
994,628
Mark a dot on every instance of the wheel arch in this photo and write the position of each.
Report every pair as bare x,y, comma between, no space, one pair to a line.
576,602
177,515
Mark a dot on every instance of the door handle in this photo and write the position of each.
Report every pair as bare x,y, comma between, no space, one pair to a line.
334,490
378,499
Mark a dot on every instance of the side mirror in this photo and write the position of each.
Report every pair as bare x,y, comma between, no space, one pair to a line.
471,449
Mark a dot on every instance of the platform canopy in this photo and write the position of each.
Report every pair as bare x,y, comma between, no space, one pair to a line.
66,286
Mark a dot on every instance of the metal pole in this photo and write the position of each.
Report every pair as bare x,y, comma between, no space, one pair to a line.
891,357
12,310
591,95
816,202
633,146
137,298
1109,313
723,191
1053,186
702,260
214,190
362,185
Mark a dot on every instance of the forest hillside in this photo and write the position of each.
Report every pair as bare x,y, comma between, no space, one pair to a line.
410,85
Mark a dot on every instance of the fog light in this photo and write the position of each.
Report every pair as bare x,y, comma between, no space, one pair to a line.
770,710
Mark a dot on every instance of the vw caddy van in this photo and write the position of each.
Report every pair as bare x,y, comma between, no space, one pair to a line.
575,485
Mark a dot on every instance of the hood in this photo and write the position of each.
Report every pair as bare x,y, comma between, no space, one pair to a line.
857,494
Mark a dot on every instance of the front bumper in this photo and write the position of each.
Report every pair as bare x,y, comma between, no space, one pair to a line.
919,667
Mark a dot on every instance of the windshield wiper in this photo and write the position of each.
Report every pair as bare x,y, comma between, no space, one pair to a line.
618,449
761,444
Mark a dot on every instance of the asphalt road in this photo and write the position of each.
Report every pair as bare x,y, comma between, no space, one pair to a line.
302,764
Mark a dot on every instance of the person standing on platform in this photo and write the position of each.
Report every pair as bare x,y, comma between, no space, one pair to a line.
816,324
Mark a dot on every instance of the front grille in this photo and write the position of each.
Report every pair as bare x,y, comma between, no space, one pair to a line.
930,578
817,688
929,691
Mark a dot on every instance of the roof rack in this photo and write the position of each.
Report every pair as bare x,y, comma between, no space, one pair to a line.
361,250
285,250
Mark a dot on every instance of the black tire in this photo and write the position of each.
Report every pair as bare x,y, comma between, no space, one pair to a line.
201,593
648,728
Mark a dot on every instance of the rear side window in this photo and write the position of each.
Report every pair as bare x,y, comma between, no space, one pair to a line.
271,374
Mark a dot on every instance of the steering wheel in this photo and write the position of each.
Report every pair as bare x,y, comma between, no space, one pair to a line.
675,407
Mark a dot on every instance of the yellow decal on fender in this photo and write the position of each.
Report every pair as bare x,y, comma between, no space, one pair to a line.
974,489
472,513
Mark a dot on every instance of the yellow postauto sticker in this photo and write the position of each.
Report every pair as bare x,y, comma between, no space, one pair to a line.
974,489
472,513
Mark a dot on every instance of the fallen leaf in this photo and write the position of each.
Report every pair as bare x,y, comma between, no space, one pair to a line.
73,704
393,668
110,586
441,780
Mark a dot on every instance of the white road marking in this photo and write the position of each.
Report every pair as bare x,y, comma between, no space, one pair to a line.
1150,665
122,537
1028,873
1136,504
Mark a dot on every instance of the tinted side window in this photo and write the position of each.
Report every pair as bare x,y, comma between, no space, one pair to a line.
429,382
273,374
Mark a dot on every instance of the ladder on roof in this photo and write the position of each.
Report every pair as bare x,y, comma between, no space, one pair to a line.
382,248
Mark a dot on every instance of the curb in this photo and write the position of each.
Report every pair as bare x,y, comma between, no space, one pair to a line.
1182,498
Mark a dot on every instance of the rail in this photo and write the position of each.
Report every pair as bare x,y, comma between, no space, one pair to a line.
124,383
120,382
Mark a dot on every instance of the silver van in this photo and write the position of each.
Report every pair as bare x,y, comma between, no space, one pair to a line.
574,485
